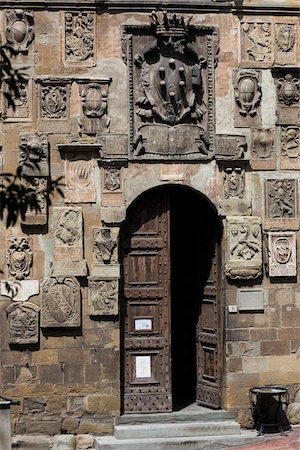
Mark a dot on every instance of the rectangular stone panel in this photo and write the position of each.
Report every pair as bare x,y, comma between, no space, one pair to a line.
247,85
286,43
263,149
103,296
251,299
256,43
281,204
290,148
79,38
282,254
23,323
288,95
68,233
79,178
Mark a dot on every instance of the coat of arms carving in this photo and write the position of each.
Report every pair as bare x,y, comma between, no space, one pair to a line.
171,72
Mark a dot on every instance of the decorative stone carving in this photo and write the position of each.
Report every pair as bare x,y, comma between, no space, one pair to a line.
290,147
282,254
68,237
244,248
54,99
79,178
22,103
38,215
112,178
79,36
61,302
105,245
19,30
247,94
230,148
114,146
256,39
281,204
103,296
285,37
234,182
19,257
23,320
94,96
34,154
19,291
288,95
171,79
263,150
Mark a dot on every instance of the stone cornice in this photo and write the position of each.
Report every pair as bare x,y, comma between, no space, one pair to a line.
240,7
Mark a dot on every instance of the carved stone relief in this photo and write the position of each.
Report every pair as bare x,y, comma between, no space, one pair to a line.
38,214
54,99
22,103
112,179
19,30
231,148
105,245
34,156
234,198
247,94
281,204
234,182
171,82
79,178
112,184
288,95
263,150
79,37
282,254
68,236
61,302
285,43
290,147
103,296
19,257
94,96
23,320
256,43
244,248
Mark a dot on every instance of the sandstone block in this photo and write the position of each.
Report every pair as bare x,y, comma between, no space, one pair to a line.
64,442
84,442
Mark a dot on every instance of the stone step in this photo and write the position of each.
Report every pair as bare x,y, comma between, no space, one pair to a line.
178,443
170,430
190,414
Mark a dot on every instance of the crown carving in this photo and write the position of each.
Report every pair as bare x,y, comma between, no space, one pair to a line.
168,24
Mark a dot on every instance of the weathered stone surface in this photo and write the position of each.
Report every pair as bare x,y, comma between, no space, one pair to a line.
293,413
68,240
94,94
19,291
70,424
69,268
61,302
64,443
288,90
34,155
79,178
256,43
263,156
282,251
19,257
290,148
84,442
79,38
281,204
244,247
19,30
23,320
285,43
105,250
247,113
39,214
103,296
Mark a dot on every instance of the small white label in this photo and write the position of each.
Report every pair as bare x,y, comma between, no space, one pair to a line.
232,308
143,324
143,366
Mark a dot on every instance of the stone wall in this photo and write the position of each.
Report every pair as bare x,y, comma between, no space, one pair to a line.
60,330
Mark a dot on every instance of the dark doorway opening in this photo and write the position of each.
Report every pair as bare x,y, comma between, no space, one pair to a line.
193,234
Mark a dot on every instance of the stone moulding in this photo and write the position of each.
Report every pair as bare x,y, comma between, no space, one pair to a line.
162,114
19,30
23,322
243,248
282,254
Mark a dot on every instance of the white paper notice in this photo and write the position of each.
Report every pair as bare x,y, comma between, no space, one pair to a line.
143,366
143,324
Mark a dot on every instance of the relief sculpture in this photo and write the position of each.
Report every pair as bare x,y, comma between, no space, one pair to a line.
34,154
282,254
54,102
61,302
19,30
258,42
244,247
79,36
171,96
247,93
234,182
281,198
23,322
19,257
37,213
105,245
263,150
285,37
94,95
288,96
103,297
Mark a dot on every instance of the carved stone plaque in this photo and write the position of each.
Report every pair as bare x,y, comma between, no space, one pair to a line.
34,154
79,37
244,248
38,214
19,30
234,182
285,43
171,84
232,185
288,96
290,148
247,94
105,245
263,155
256,43
23,320
19,257
22,103
61,302
112,185
54,98
281,204
94,96
68,236
103,296
230,148
79,178
282,254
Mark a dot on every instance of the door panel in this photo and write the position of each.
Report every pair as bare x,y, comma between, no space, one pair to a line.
147,383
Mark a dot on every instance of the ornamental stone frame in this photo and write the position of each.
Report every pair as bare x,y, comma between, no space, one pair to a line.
282,254
19,257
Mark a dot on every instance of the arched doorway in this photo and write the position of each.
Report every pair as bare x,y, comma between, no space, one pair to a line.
170,308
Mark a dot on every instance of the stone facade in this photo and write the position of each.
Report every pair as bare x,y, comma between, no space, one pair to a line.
111,106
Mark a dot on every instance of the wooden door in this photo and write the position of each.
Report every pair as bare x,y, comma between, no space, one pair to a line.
152,359
146,256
